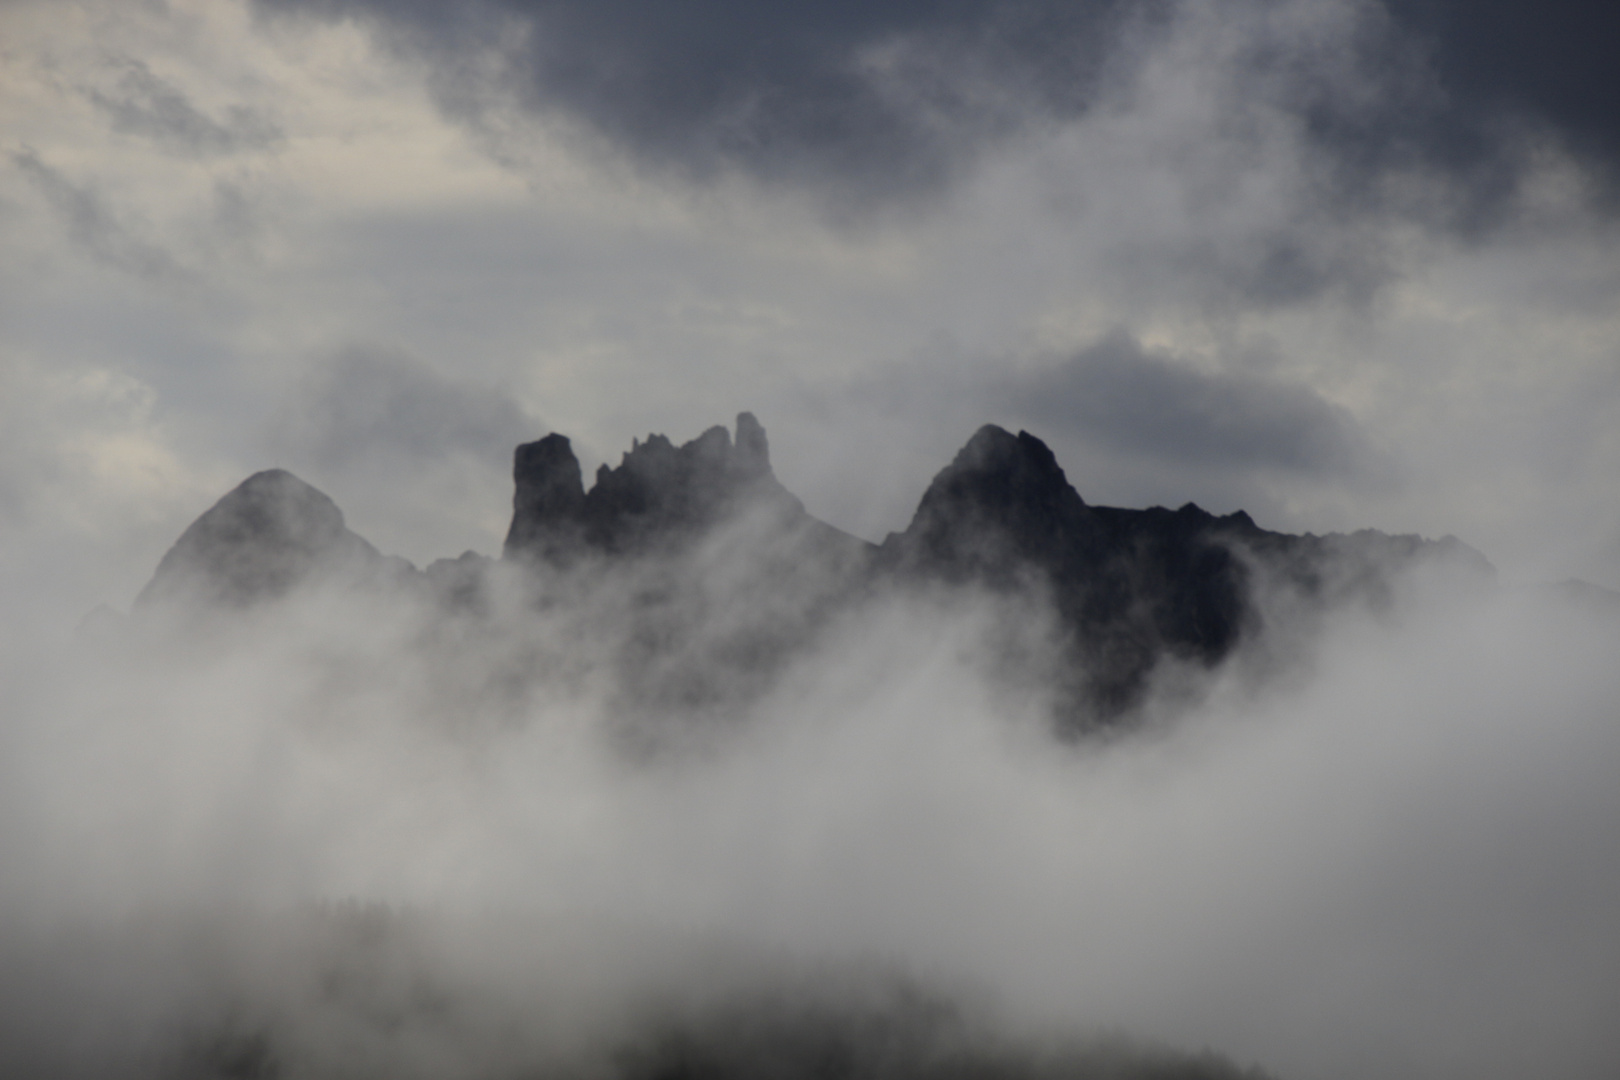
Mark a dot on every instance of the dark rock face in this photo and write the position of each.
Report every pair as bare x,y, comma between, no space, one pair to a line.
268,536
548,508
720,573
1131,588
659,497
1002,504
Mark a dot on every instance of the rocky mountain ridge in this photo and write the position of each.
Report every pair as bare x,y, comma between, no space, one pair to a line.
735,575
660,497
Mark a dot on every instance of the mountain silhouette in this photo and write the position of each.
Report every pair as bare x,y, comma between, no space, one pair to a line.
269,535
726,575
661,497
1134,588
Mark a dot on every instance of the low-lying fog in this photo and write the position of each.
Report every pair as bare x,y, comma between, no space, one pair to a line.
342,837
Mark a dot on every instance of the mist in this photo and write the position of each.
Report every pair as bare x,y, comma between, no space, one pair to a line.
348,833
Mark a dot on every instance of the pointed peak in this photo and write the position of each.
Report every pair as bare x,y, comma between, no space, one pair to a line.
1004,499
753,452
276,484
276,503
995,449
264,537
1000,468
988,444
266,478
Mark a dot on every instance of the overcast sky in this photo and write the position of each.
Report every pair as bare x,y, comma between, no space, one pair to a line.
1340,263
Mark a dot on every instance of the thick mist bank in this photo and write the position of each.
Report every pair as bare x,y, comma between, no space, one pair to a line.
1387,852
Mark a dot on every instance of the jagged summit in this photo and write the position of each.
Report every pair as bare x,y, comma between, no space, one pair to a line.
270,534
659,495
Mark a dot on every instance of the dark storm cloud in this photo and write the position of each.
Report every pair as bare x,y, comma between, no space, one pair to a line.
889,99
1121,395
1552,60
94,225
876,97
1455,91
144,104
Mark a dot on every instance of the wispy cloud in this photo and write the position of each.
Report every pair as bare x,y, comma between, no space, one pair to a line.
143,104
94,225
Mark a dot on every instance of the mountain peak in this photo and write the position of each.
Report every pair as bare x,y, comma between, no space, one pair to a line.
268,535
753,452
659,494
1003,500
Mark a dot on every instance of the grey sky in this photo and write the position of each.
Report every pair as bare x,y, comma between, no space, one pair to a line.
1331,239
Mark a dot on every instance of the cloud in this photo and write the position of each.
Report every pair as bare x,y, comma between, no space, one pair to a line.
92,482
375,403
146,105
371,425
363,836
874,99
1135,400
892,100
94,225
1548,63
1131,425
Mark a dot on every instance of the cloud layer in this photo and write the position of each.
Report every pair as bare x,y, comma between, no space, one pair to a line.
887,99
364,835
